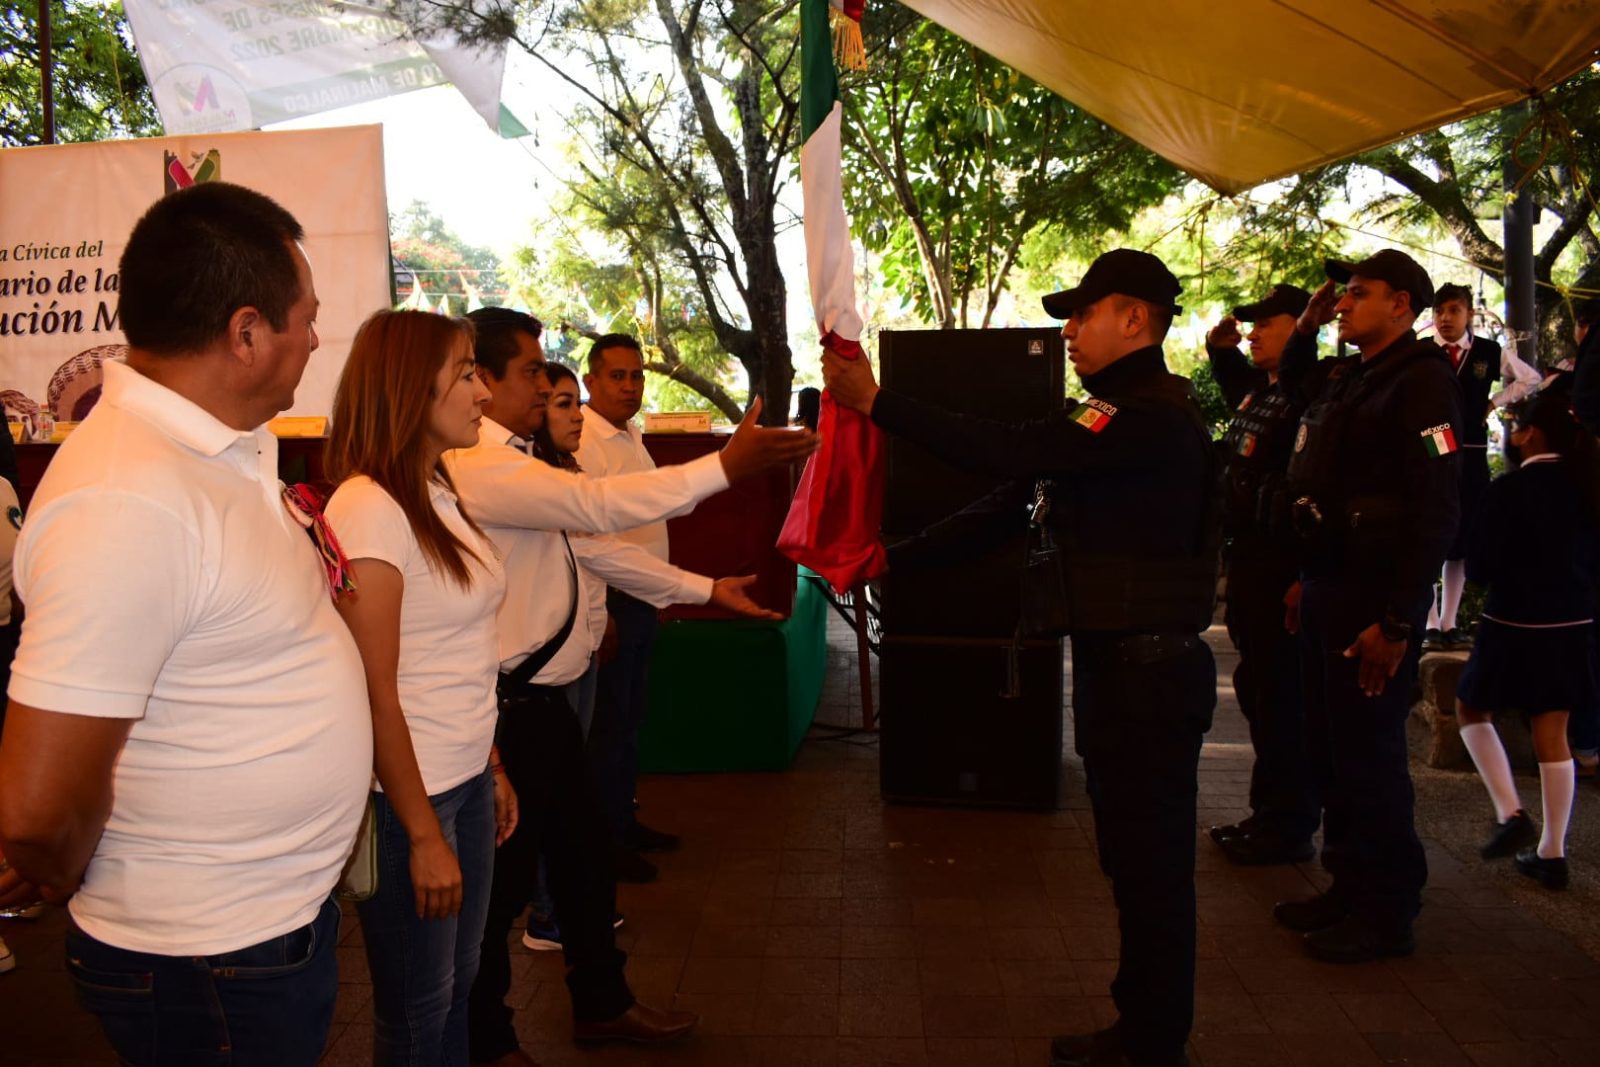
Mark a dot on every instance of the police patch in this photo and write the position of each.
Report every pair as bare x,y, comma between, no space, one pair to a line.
1300,438
1093,415
1480,370
1249,398
1439,440
1247,444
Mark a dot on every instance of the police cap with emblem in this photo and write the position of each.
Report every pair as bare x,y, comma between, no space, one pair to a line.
1283,300
1392,266
1124,271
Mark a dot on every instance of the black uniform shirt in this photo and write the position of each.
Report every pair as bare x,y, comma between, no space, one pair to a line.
1479,370
1133,464
1398,472
1555,583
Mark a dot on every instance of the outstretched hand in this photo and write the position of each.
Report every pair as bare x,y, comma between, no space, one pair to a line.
753,447
732,594
850,381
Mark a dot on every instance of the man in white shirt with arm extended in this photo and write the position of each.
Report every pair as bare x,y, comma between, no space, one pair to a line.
187,750
524,505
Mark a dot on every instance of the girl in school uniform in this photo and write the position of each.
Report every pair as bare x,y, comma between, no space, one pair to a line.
1534,652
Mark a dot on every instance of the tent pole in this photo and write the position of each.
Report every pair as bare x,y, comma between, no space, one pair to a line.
46,75
1518,217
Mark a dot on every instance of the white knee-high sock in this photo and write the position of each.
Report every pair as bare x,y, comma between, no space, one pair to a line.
1489,756
1452,586
1556,782
1433,611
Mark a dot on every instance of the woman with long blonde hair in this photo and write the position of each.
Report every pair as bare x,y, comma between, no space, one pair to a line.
428,583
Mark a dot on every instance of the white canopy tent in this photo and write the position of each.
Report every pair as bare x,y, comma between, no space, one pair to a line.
1245,91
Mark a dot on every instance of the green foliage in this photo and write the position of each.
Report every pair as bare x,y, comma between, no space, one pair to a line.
99,88
953,161
420,241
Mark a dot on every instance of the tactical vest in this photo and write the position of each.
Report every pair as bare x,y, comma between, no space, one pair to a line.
1320,512
1066,591
1256,449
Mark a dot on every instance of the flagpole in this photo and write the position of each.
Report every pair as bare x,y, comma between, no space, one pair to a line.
46,75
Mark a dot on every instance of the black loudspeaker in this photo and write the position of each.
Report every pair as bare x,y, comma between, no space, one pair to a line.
1011,375
955,728
951,733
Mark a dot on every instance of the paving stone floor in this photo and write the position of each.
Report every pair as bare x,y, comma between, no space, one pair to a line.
811,924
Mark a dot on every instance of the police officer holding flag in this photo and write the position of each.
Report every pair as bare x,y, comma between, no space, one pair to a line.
1374,471
1132,474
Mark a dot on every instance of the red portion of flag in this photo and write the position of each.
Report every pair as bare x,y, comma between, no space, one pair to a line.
833,523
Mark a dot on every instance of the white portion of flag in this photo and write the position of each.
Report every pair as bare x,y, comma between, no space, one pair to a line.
830,261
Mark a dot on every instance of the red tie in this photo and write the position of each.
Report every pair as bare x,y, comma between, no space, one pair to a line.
1455,355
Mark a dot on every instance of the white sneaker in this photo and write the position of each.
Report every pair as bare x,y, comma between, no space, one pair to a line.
7,960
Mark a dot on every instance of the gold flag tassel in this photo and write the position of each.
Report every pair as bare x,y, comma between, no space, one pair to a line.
848,50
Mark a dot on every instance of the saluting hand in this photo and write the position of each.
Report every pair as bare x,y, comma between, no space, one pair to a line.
1380,659
1225,334
731,594
1319,312
850,381
754,447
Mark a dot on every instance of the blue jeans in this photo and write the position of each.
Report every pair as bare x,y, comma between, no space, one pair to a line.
422,969
269,1004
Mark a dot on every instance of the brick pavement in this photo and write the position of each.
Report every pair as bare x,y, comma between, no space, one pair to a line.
811,924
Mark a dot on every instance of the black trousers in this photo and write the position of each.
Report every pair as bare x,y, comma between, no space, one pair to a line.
1140,718
541,746
1267,681
1359,758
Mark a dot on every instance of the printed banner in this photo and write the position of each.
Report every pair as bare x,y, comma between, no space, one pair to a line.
68,209
226,65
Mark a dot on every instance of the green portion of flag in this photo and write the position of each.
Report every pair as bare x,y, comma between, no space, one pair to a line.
510,126
819,81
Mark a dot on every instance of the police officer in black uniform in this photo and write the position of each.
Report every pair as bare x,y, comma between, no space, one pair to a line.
1375,469
1267,391
1132,469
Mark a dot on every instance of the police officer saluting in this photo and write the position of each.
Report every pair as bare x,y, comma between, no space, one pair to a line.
1267,391
1374,469
1131,469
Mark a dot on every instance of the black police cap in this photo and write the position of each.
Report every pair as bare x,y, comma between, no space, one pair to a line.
1283,300
1392,266
1126,271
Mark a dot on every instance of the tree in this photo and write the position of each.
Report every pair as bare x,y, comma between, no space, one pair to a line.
1452,181
100,89
421,243
953,160
689,122
584,290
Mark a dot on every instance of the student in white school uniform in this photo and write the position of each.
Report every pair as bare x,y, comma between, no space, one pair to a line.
428,583
187,750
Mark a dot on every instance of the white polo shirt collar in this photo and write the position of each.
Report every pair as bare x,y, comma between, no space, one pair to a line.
180,418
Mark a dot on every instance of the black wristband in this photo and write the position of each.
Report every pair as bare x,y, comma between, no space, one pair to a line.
1393,629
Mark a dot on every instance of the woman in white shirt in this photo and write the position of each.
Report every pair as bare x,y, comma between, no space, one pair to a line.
428,583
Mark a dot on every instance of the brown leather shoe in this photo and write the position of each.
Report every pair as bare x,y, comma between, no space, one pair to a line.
517,1058
640,1024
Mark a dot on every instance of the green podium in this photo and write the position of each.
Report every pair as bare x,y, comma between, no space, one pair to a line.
735,695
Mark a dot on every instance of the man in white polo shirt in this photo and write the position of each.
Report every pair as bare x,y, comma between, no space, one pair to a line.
187,750
612,444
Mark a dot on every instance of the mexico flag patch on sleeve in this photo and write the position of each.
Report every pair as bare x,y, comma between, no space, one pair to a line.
1439,440
1093,415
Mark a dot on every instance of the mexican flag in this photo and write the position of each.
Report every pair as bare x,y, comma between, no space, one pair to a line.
833,523
1439,440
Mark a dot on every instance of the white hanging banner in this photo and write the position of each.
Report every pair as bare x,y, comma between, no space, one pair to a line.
223,65
68,209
